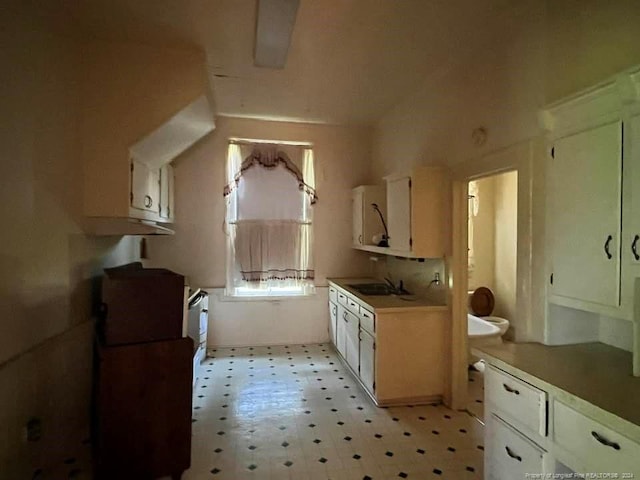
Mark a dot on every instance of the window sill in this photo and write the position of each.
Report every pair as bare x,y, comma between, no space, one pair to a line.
265,298
224,297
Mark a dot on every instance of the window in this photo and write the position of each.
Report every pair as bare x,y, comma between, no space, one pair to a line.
270,194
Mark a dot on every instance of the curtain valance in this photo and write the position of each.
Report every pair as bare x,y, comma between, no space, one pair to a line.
270,156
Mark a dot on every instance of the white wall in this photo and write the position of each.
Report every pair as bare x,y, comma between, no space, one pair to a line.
267,322
198,248
48,267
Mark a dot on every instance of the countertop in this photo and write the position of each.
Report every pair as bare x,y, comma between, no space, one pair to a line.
386,303
598,374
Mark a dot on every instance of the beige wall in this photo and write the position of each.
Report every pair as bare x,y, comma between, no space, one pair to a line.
506,241
484,226
546,50
128,90
198,248
48,266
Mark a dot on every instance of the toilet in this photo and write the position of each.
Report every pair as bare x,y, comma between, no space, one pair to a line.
481,303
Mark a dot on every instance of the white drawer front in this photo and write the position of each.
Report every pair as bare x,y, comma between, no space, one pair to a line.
599,447
342,298
367,321
353,305
333,294
518,400
510,455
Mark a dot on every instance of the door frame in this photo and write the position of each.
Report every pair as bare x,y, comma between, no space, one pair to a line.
530,279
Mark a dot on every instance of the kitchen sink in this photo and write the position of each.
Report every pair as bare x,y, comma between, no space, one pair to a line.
372,288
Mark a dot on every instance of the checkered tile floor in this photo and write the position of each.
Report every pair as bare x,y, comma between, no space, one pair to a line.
294,412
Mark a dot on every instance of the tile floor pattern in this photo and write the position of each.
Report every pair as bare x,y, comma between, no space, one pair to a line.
294,412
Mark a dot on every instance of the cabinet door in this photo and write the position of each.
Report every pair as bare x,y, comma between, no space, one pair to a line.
166,192
341,332
586,182
399,213
333,318
357,198
352,341
145,187
367,360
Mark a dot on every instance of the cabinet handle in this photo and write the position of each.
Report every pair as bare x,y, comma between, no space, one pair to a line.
633,247
606,247
510,390
335,310
344,317
513,455
604,441
148,201
360,239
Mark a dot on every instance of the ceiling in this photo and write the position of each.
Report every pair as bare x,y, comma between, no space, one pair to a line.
349,61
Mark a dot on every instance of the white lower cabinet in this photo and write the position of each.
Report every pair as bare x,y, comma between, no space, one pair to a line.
517,400
352,328
333,321
341,332
398,355
367,360
524,436
510,454
598,448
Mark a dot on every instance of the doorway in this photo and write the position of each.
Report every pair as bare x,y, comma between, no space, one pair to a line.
492,237
529,283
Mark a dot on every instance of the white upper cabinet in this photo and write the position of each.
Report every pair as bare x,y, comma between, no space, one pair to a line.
586,172
593,204
399,212
418,211
167,194
366,221
145,188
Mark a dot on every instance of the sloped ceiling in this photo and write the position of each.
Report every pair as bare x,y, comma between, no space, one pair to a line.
349,61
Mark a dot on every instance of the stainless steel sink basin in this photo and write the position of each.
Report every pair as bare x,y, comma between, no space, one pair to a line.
372,288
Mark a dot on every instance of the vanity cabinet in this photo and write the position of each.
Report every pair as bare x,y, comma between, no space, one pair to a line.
397,354
418,211
366,221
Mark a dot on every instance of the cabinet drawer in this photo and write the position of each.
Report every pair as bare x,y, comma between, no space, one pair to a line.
348,302
598,447
520,401
333,294
509,452
367,320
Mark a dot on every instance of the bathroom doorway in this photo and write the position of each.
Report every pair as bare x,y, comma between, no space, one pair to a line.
492,238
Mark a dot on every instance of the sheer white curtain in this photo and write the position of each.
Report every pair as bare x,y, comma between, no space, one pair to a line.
269,221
